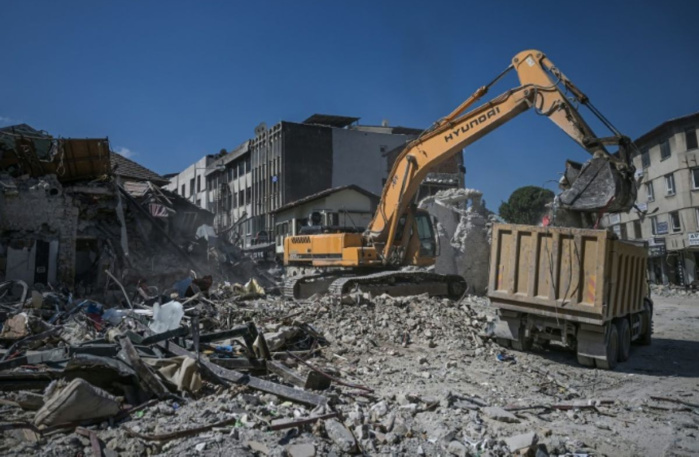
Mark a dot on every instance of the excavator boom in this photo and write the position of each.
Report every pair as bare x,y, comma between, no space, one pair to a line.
604,183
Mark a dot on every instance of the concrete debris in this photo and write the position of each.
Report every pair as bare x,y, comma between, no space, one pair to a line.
342,437
522,442
147,339
500,414
462,230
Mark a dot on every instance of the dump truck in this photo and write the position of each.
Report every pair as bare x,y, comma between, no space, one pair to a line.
582,287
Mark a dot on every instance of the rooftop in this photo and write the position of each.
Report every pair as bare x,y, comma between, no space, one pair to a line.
127,168
694,117
325,193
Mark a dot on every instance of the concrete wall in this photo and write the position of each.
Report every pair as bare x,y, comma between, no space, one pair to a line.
358,157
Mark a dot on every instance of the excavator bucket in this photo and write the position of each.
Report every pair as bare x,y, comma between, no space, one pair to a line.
597,185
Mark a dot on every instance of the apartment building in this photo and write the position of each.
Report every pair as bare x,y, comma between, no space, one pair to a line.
190,183
290,161
667,215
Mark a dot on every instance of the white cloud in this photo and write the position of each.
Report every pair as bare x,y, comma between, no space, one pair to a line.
126,152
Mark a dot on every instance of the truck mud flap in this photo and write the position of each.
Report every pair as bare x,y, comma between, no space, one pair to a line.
592,342
507,328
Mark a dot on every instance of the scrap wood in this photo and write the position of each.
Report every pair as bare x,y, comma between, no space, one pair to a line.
674,400
284,424
226,376
562,406
179,433
109,273
94,441
332,378
149,380
38,336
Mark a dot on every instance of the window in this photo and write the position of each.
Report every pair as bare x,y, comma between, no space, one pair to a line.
645,158
675,221
696,210
654,225
241,197
695,178
623,234
191,187
637,230
690,138
669,184
651,192
182,192
199,183
665,149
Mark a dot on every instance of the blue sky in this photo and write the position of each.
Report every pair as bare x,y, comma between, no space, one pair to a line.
172,81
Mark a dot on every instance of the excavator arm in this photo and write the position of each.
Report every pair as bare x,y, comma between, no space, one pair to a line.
604,183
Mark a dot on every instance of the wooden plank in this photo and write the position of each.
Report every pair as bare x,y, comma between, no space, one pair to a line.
310,380
299,396
148,380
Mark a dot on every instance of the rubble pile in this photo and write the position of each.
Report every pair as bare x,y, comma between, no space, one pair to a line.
232,370
670,290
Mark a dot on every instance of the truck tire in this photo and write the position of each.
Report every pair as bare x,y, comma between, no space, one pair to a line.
624,331
647,321
612,345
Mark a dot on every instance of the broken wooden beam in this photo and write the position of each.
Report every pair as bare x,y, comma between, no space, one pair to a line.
148,380
311,380
299,396
158,337
240,363
35,358
282,424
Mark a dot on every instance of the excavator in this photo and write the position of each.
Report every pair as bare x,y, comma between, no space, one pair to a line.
400,235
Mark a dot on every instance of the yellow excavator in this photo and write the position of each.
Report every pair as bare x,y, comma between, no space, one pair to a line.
400,235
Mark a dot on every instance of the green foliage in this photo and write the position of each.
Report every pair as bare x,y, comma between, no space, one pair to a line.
526,205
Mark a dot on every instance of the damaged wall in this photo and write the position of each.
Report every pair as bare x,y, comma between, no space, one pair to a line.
462,234
37,210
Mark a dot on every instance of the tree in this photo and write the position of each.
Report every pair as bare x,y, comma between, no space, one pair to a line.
526,205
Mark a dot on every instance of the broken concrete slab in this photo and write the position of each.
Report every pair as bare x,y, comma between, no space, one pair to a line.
500,414
339,434
301,450
522,442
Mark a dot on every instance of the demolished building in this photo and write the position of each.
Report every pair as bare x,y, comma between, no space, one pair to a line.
70,210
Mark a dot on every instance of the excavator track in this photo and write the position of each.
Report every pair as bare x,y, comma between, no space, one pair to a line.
401,283
394,283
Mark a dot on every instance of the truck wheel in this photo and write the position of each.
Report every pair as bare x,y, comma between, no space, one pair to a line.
624,339
647,322
612,345
586,361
